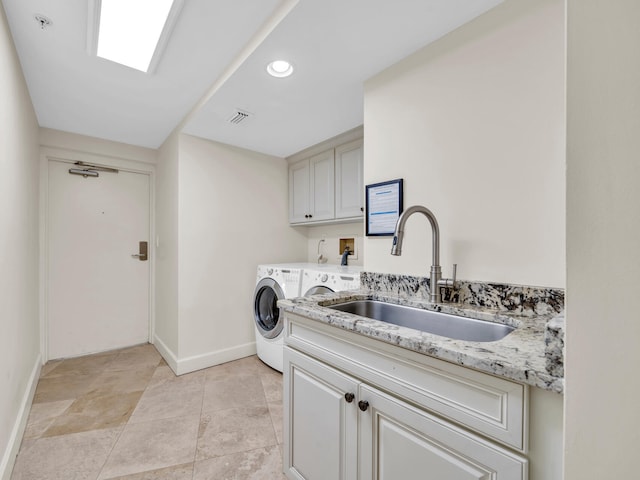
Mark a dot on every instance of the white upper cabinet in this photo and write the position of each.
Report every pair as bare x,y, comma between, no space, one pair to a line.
311,189
321,179
327,186
299,192
349,182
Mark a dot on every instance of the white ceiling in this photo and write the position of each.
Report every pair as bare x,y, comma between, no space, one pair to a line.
215,63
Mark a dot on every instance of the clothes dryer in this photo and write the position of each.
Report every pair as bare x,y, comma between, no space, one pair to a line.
273,282
325,278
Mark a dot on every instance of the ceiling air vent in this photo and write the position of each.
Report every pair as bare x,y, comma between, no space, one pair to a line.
239,116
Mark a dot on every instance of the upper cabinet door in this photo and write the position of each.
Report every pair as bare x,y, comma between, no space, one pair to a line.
322,181
349,180
299,192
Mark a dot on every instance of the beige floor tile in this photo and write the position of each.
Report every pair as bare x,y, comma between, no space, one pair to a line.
238,436
87,365
42,416
243,366
62,387
259,464
276,412
263,368
164,375
78,456
49,366
180,472
152,445
141,356
170,396
93,413
236,391
272,383
117,382
237,430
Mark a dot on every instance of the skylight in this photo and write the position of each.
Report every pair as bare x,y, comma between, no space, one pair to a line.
130,30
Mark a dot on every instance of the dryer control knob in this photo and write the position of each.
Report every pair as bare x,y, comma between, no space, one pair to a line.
270,271
324,277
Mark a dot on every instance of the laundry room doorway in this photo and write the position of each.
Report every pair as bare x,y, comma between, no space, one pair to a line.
97,259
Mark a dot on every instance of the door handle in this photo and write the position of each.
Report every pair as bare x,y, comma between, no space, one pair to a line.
143,249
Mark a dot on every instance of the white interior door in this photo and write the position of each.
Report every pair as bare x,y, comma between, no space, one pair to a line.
98,294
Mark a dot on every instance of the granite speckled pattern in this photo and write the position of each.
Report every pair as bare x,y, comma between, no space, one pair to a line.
554,346
520,356
515,299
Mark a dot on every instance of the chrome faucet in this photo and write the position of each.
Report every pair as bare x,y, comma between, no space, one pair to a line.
436,282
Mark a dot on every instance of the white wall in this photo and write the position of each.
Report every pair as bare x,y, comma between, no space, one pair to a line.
166,309
602,426
19,183
474,123
73,142
232,216
330,248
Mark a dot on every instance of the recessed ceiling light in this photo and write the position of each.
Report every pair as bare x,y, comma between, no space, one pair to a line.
280,68
130,31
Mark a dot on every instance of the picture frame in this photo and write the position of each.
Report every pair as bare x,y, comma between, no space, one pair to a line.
384,204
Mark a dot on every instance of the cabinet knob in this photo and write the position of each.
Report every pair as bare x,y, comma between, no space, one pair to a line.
349,397
310,216
362,209
306,216
363,405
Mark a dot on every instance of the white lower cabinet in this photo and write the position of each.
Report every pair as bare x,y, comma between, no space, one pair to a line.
323,427
341,424
399,441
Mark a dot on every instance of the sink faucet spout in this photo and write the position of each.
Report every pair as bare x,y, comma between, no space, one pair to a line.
398,236
435,276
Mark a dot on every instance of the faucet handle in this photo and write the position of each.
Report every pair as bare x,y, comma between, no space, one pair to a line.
449,282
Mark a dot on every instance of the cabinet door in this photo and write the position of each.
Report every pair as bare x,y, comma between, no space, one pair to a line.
322,200
349,183
299,192
320,423
399,441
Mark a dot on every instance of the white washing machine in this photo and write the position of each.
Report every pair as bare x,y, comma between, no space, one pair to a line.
274,282
324,278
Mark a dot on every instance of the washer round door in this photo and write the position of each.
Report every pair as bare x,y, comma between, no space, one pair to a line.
317,290
266,313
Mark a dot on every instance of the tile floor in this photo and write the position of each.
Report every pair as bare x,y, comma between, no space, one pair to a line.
124,415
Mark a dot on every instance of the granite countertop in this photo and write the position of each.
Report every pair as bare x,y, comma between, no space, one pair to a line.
531,354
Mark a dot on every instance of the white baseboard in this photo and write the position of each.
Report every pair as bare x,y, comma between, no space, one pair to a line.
166,353
206,360
13,445
180,366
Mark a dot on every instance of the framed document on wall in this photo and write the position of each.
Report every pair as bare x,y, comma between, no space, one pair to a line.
384,206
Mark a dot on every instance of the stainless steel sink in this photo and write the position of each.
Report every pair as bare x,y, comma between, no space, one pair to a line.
443,324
